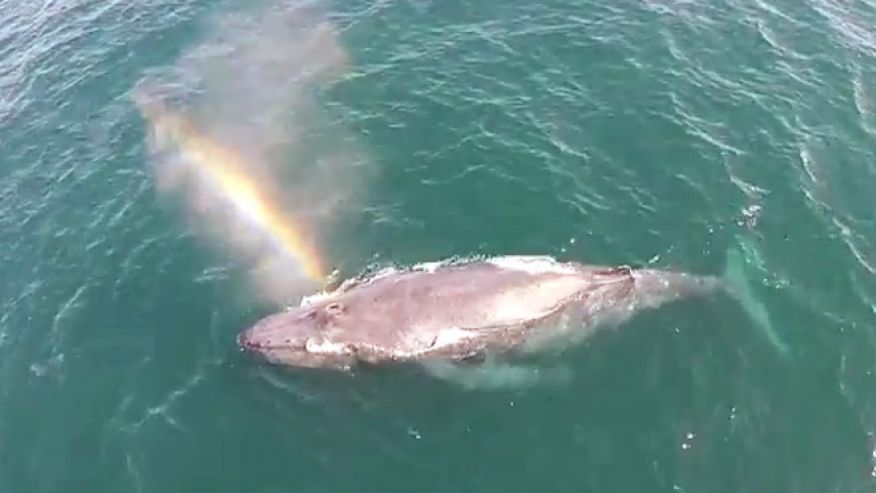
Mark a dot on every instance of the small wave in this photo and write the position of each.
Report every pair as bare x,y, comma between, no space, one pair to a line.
285,385
60,328
134,473
808,162
775,11
850,239
852,26
862,101
861,291
780,48
585,203
698,126
162,409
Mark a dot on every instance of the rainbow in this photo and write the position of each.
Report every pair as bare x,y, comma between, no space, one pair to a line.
226,169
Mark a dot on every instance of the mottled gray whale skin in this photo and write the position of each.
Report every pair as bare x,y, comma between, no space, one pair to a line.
458,311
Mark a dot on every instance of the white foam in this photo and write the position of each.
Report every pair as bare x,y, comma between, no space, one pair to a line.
532,264
434,266
430,266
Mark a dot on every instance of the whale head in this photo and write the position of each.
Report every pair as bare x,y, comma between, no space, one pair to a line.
298,337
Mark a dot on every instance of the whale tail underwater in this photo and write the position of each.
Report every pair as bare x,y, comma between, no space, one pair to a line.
739,261
739,265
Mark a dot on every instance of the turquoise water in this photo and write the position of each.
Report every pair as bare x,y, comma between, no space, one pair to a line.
659,132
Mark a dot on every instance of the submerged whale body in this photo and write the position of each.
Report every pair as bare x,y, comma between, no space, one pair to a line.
455,312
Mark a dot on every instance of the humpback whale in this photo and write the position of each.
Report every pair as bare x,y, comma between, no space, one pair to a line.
461,312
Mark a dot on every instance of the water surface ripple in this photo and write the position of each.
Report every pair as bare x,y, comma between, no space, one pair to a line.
656,132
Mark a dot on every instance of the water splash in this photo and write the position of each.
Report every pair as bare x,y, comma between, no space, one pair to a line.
228,179
237,130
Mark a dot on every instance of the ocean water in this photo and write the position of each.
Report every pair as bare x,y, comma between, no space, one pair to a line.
673,134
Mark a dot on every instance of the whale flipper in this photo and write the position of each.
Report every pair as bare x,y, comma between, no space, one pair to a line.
495,375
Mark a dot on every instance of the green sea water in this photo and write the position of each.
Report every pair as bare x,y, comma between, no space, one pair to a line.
674,134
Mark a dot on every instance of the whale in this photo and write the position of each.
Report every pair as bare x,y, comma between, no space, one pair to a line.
463,312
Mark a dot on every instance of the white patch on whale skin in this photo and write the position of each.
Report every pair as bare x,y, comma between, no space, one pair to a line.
325,347
451,336
445,337
531,264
